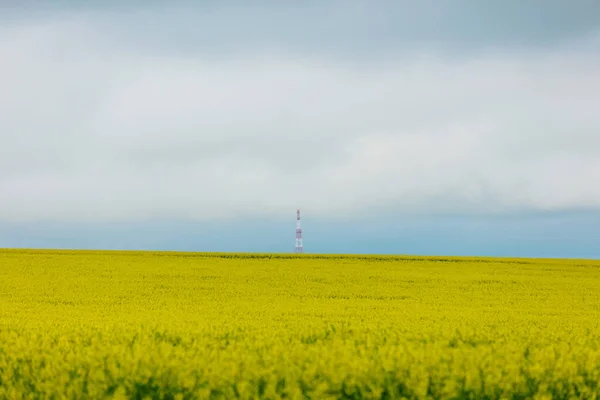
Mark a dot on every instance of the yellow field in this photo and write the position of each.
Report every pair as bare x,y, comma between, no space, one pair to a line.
177,325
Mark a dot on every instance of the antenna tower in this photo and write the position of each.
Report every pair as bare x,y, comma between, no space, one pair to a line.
299,247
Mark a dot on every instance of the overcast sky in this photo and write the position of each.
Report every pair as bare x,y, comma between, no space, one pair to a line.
120,114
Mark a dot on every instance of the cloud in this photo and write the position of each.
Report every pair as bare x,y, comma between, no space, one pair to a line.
95,128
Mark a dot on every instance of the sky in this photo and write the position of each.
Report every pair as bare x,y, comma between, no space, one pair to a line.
432,127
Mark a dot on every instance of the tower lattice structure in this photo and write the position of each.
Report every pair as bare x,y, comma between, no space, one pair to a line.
299,246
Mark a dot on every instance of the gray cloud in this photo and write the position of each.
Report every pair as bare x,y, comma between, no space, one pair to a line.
95,125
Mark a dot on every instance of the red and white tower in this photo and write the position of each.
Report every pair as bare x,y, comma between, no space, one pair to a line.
299,247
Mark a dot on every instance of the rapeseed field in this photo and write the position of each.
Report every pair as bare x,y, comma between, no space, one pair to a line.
77,324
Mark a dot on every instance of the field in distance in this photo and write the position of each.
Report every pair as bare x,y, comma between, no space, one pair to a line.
90,324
